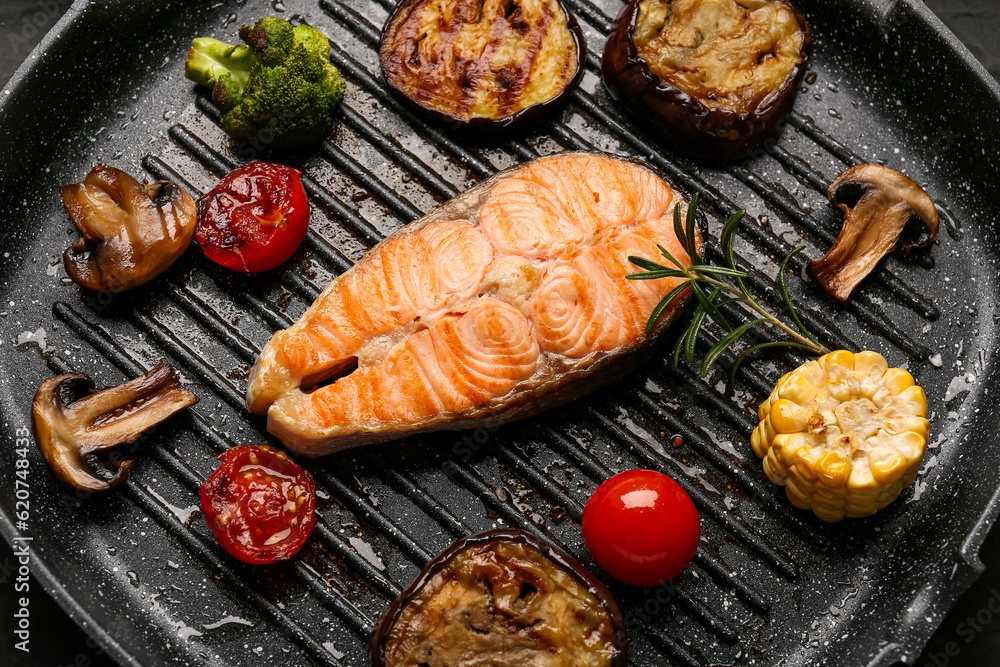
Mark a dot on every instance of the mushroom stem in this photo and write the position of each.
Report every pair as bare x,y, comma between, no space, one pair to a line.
68,433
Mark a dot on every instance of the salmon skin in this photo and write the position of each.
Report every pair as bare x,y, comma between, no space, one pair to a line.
509,299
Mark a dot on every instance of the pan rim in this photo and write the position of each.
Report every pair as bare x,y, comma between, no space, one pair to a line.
894,651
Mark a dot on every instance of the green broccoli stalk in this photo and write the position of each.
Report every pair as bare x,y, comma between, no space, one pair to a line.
278,88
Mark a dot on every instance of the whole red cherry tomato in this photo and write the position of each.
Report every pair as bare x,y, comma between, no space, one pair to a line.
641,527
259,504
255,218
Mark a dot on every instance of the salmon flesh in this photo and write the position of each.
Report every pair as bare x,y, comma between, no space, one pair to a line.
509,299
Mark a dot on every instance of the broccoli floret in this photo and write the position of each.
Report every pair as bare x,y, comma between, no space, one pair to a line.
279,87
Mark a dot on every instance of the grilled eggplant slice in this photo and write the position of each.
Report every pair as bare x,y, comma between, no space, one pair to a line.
716,78
509,299
503,598
482,64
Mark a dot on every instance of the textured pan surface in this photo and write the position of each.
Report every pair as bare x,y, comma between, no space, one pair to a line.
770,585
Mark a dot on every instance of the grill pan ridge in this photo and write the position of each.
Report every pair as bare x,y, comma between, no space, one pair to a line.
770,585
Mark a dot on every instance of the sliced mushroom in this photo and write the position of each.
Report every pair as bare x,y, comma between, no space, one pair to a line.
131,232
881,207
67,433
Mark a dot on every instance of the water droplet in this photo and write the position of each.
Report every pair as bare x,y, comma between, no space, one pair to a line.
226,621
959,386
278,5
168,114
811,78
366,551
112,551
836,114
37,337
327,645
832,87
133,578
951,224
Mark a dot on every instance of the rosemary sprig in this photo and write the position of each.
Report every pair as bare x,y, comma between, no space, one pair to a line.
709,283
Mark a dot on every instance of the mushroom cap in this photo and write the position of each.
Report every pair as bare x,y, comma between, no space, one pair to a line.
894,186
130,232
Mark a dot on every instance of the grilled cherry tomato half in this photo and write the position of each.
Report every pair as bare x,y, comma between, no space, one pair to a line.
641,527
259,504
255,218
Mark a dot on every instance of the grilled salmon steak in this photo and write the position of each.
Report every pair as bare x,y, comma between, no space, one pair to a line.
509,299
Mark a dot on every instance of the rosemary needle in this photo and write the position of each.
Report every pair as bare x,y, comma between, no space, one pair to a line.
709,283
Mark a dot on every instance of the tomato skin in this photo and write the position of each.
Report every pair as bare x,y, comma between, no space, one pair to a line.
641,527
248,502
255,218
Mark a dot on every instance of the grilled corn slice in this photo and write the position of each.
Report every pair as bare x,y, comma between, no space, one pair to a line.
844,434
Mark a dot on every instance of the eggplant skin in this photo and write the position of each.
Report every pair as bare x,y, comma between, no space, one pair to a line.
379,642
424,57
696,128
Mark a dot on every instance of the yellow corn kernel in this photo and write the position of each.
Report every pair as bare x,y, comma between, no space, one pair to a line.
834,469
900,423
887,465
911,446
897,379
797,389
789,417
830,517
801,498
767,432
861,481
788,446
802,475
758,446
859,512
914,399
843,434
842,358
774,471
909,475
870,361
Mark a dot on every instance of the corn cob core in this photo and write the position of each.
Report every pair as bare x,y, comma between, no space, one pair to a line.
844,434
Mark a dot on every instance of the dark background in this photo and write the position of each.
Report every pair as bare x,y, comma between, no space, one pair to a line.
56,641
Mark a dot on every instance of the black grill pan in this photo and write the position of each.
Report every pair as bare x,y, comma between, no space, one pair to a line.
770,585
